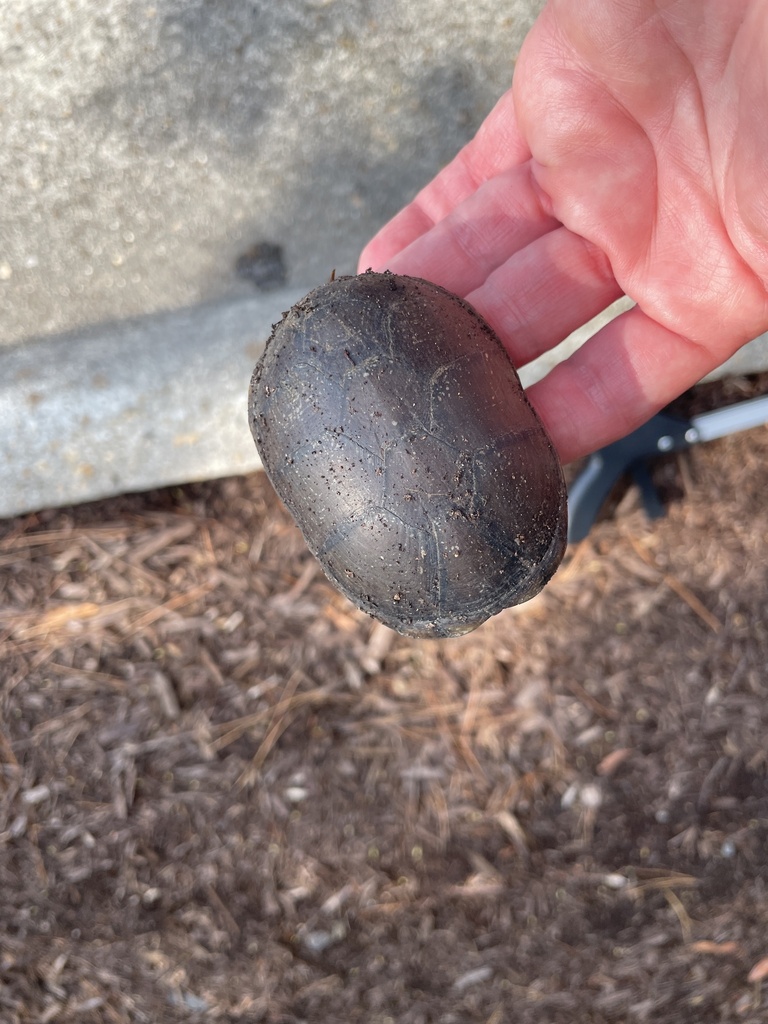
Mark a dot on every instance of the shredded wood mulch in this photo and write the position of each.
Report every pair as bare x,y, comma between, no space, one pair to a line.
226,795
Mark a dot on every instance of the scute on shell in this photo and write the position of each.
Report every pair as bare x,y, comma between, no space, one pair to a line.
394,427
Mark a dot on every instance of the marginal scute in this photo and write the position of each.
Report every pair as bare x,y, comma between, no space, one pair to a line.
394,428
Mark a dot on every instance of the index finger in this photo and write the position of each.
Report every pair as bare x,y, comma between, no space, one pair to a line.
497,147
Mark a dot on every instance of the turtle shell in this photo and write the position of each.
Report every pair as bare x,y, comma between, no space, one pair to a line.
394,427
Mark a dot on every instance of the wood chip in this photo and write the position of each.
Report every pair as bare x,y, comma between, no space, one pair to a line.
759,972
716,948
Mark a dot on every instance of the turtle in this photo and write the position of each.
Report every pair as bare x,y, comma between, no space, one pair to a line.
394,427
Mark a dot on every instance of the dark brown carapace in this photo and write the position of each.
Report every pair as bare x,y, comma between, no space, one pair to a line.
394,427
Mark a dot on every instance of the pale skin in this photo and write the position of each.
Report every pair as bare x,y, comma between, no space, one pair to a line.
629,157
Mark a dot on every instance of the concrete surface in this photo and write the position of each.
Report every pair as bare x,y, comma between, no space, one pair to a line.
148,143
132,405
148,146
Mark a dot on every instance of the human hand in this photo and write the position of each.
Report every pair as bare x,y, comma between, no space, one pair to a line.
630,156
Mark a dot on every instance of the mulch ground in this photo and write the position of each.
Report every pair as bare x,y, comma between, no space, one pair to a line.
226,795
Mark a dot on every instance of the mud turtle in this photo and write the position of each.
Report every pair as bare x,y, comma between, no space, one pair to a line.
394,427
